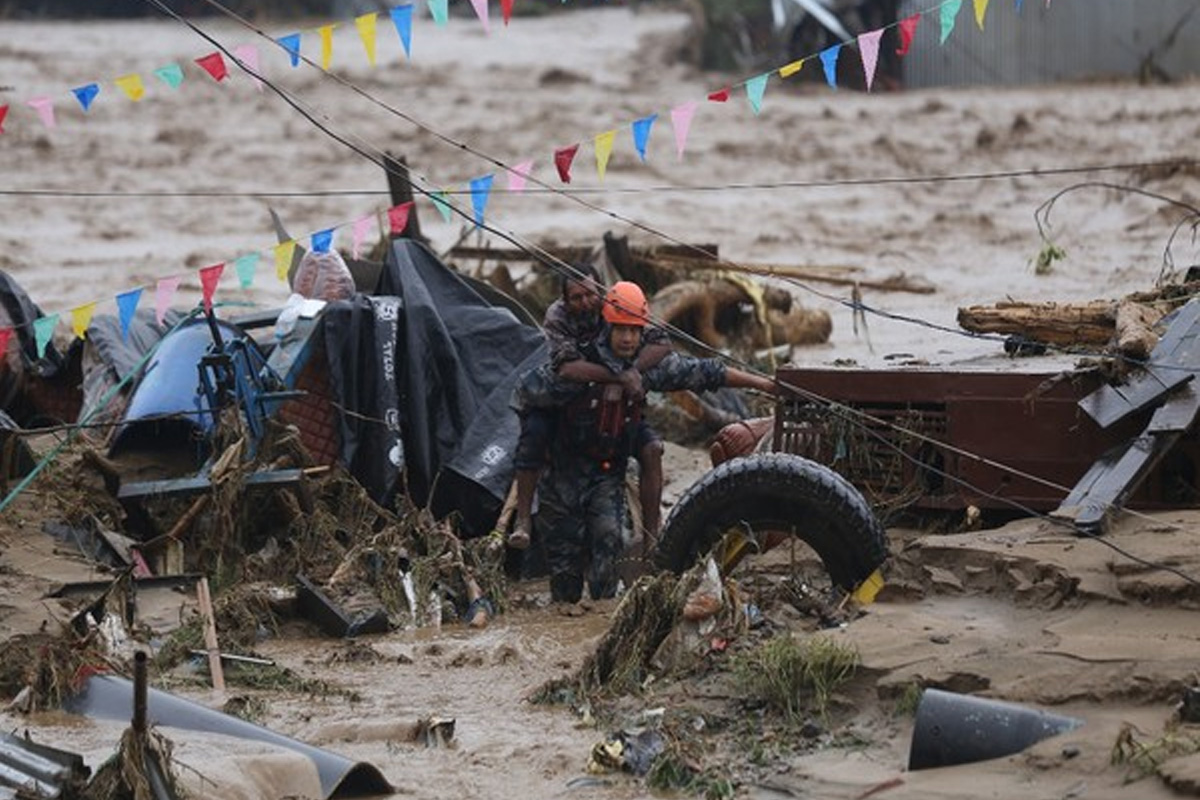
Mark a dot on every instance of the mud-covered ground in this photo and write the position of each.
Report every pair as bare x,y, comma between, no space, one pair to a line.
1027,613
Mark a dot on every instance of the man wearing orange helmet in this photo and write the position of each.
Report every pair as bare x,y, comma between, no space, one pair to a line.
582,495
571,324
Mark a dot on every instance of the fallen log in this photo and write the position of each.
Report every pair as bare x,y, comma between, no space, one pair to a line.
1124,326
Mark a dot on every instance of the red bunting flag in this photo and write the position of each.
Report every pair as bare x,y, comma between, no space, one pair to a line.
5,335
720,96
562,161
908,26
398,217
3,114
214,65
209,277
506,9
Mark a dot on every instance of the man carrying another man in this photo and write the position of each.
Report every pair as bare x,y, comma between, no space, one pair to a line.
598,426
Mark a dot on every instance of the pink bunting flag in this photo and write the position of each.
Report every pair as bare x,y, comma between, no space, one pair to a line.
214,65
358,234
481,11
5,335
517,176
248,55
44,107
719,96
681,123
164,293
398,217
506,7
209,278
908,27
562,161
868,50
3,114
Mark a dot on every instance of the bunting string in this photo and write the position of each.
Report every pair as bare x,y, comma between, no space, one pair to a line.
479,187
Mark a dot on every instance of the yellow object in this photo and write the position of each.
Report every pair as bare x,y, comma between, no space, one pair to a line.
867,590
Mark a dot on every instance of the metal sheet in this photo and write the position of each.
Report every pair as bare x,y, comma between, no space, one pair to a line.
111,697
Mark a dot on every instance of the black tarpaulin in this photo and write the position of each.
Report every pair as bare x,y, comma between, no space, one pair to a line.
454,359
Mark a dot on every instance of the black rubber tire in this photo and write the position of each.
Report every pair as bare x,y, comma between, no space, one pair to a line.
782,492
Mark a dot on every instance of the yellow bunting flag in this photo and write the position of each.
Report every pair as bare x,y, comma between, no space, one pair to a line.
81,317
366,31
604,146
283,259
787,70
132,86
326,32
980,11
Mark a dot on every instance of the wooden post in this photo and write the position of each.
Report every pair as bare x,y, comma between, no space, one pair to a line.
400,189
210,635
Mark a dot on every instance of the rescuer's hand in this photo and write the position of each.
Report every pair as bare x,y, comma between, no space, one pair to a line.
631,382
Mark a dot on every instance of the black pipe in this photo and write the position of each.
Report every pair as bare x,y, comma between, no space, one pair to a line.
139,692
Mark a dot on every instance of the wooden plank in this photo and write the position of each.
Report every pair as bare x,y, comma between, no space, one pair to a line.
1171,364
210,635
198,483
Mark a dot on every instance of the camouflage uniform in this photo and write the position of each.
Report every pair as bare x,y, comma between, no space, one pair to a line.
582,510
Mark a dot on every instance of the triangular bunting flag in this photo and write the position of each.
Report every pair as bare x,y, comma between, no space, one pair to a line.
358,235
868,50
86,94
127,303
164,294
480,189
214,65
170,74
481,11
562,161
326,32
755,88
681,123
441,201
949,12
517,176
247,56
641,134
44,107
604,146
366,31
398,217
907,27
322,241
719,96
132,86
245,267
788,70
5,336
81,317
402,19
506,7
440,11
283,259
291,43
43,332
980,12
3,114
209,278
829,59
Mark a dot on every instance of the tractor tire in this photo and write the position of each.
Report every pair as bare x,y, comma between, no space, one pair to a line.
777,492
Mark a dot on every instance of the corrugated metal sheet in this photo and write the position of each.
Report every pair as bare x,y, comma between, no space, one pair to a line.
35,770
1070,40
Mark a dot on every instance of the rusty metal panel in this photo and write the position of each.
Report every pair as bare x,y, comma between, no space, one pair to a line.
950,438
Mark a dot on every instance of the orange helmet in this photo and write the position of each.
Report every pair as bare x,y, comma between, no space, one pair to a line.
625,304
